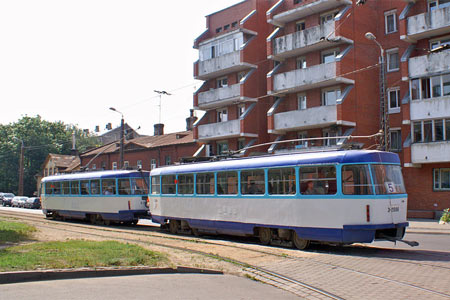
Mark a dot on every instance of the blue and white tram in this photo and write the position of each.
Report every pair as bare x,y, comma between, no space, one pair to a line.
339,197
100,197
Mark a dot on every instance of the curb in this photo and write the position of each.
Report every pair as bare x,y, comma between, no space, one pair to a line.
427,231
27,276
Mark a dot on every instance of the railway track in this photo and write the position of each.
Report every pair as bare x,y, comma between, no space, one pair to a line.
277,272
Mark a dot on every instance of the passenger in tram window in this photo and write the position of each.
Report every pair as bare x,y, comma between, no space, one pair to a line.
309,188
253,189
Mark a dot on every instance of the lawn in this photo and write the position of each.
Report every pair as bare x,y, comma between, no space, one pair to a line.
13,232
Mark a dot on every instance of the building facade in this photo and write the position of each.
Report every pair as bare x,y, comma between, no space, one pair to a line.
333,68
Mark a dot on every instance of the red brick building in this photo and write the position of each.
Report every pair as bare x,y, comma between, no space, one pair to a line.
321,75
145,152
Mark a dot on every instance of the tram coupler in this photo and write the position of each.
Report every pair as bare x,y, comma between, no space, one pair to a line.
395,240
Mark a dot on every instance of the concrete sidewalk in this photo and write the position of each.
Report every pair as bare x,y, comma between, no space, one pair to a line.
427,226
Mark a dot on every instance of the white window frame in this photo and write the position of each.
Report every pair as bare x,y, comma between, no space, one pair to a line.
301,101
386,15
297,25
399,132
240,110
396,109
241,75
329,133
126,164
301,62
328,13
439,186
324,100
439,41
222,82
153,164
388,60
114,165
302,135
334,52
220,145
139,164
222,115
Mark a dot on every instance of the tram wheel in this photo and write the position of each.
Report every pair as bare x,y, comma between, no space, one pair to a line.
195,232
92,219
265,235
173,226
299,242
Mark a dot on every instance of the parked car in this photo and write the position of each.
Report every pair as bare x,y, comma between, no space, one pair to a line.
1,198
18,201
7,198
33,202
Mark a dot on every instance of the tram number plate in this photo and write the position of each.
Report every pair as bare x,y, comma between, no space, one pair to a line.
393,209
390,187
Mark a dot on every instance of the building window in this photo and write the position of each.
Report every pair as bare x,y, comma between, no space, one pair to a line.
240,110
301,62
226,27
430,87
139,164
222,82
299,26
241,144
301,136
431,130
328,17
222,147
94,167
234,24
441,179
126,164
330,95
327,134
301,101
153,164
394,100
390,21
297,1
167,160
329,56
395,140
441,42
218,29
114,165
222,115
240,75
392,60
435,4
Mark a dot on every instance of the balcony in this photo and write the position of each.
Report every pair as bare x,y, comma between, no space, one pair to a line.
434,108
427,65
302,11
317,76
315,117
312,39
222,65
427,25
436,152
220,130
219,97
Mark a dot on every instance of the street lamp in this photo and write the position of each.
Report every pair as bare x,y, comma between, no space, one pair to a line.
384,118
122,125
21,171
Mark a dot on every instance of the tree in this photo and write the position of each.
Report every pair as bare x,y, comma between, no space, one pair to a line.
40,138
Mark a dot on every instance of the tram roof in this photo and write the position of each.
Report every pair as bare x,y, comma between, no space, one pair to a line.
96,175
284,160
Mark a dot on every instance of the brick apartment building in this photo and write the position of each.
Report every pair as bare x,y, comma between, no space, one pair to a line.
291,69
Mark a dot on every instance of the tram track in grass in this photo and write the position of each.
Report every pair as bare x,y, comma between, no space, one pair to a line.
260,272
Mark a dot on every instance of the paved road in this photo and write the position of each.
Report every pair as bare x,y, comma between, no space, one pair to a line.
173,286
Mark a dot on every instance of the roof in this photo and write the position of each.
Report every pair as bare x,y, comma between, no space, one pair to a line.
330,157
62,161
97,175
146,142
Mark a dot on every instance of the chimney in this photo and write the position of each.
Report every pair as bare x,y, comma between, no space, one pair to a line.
109,126
159,129
97,128
190,121
74,150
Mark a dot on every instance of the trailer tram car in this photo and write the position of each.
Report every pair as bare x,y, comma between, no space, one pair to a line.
337,197
99,197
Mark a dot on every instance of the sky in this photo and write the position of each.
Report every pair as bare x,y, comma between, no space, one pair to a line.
71,61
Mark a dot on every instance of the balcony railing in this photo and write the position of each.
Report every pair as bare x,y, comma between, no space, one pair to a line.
430,64
220,130
433,108
315,117
429,24
435,152
313,77
220,96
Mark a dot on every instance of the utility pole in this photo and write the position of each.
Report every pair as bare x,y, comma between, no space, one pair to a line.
160,93
21,171
122,129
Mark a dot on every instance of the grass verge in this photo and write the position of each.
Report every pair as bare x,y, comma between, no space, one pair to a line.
13,232
77,254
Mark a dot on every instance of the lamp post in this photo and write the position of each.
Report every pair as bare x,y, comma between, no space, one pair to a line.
384,119
22,150
122,125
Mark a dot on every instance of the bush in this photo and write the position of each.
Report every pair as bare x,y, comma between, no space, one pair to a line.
446,216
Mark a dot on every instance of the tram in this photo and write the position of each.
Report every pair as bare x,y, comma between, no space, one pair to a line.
100,197
337,197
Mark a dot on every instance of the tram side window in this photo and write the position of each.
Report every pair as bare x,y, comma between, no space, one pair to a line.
281,181
227,183
155,185
52,188
75,187
124,186
56,188
139,186
85,187
320,180
95,187
252,182
65,187
168,184
388,179
186,184
108,186
205,184
356,180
